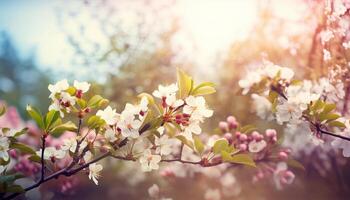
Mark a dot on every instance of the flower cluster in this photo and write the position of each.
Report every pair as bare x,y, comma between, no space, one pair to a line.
310,106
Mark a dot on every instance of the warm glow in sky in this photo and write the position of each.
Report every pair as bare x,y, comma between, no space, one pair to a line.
210,26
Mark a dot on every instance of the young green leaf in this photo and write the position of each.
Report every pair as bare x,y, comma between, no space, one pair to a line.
95,101
185,141
204,89
222,145
244,159
2,110
198,144
22,148
58,130
337,124
51,118
185,83
36,116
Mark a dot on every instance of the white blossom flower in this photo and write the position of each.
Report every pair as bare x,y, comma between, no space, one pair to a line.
171,101
288,112
165,91
4,147
58,87
164,145
67,98
52,153
129,125
110,115
94,172
256,147
55,105
195,106
110,135
149,161
212,194
193,127
71,145
82,86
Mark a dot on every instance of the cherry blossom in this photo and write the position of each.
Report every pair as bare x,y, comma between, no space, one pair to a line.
164,145
110,115
256,147
196,107
149,161
51,153
165,91
94,172
58,87
81,86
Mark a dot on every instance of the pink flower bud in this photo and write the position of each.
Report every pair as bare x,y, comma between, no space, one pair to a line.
243,137
237,134
232,122
223,126
270,133
243,147
283,155
255,135
228,137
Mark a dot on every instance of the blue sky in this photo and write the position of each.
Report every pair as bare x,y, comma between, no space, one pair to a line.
33,26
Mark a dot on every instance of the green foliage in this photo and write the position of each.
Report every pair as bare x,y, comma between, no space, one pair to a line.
204,89
6,183
296,164
198,144
185,141
244,159
185,83
95,122
23,148
222,145
2,110
96,101
323,112
36,116
59,129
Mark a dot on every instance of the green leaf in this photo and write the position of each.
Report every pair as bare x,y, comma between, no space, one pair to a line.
222,145
51,118
82,103
58,130
185,83
22,148
244,159
272,96
328,117
204,89
95,122
95,101
185,141
295,164
149,98
337,124
319,104
36,116
328,108
2,110
35,158
21,132
198,144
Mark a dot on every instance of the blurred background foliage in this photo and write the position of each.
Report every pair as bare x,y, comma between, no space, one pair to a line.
124,60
